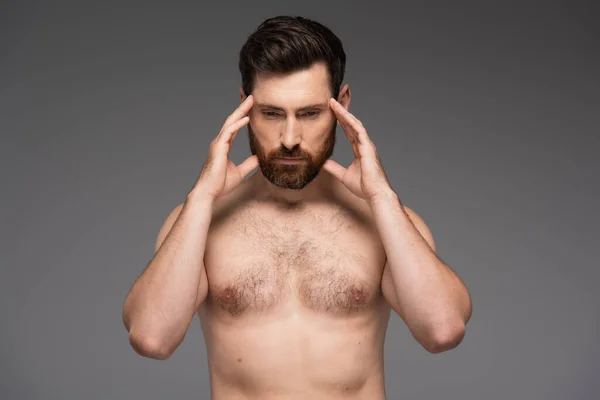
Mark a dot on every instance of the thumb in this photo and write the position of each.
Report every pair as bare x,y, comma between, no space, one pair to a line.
248,165
334,169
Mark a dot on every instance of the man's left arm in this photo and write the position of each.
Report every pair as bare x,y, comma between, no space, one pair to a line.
429,297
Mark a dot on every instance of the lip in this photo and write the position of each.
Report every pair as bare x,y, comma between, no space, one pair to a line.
286,160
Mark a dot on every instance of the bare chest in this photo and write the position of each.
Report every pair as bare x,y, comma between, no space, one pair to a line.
329,261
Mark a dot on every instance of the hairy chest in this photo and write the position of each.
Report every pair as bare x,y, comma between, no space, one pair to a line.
330,261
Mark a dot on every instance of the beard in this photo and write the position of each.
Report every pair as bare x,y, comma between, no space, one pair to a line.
291,176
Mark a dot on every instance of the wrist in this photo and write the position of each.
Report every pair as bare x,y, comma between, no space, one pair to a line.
199,196
384,196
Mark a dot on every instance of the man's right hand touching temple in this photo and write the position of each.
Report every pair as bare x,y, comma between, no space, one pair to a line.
163,300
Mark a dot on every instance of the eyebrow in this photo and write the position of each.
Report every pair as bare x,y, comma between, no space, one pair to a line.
303,108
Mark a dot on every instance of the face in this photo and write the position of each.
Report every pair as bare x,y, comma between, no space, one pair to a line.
291,118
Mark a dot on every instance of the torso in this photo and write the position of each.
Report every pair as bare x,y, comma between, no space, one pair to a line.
294,307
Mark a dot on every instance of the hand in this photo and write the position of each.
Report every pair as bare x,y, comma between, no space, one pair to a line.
220,175
365,177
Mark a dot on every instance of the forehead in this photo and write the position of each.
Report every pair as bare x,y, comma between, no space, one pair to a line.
294,89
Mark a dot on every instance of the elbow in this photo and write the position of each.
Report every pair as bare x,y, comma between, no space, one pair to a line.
150,347
444,339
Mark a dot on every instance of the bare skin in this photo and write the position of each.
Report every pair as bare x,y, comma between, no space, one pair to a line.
286,270
294,306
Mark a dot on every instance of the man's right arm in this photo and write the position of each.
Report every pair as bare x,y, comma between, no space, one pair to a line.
163,300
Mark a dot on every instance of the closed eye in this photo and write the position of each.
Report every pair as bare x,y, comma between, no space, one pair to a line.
310,114
274,114
270,114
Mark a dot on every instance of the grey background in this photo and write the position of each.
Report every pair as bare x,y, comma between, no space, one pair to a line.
486,118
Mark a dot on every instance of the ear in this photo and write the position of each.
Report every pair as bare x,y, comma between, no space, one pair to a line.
242,94
344,96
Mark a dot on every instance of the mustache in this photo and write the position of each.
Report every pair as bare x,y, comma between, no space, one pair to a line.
287,153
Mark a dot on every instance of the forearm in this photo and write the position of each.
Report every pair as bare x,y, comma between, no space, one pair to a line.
163,300
432,298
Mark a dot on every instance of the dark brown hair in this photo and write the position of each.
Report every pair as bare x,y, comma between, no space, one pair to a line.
285,44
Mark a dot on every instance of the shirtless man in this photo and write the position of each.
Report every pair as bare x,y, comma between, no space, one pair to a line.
293,271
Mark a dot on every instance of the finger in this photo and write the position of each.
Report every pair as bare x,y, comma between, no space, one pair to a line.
227,135
360,138
348,131
359,131
248,165
334,169
345,121
240,111
347,114
353,142
234,134
355,121
238,114
358,128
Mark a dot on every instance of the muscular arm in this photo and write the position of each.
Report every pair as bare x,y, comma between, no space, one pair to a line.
430,298
163,300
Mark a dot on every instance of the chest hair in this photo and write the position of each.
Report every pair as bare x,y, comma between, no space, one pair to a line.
259,262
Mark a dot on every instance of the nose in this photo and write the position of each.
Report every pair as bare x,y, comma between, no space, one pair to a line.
292,133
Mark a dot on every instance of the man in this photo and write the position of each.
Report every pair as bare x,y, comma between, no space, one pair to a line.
293,271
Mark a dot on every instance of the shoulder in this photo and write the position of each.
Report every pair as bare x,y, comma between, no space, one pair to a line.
234,207
222,207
